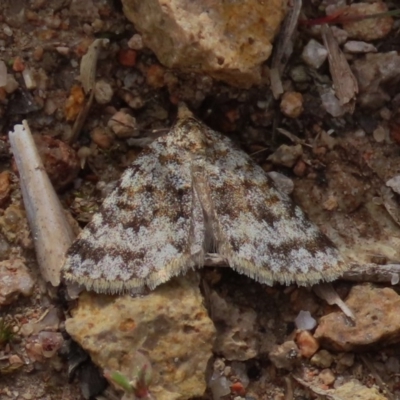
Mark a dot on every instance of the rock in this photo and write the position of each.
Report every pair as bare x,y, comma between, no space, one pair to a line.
103,92
285,355
14,280
227,40
314,54
370,28
353,46
375,73
60,160
394,184
135,42
169,328
354,390
219,385
327,377
123,125
304,321
306,343
377,320
102,137
286,155
282,182
322,359
292,104
236,327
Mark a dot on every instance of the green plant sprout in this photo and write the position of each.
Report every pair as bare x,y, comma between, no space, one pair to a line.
138,387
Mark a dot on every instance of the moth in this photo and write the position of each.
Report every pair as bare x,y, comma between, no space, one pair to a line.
193,192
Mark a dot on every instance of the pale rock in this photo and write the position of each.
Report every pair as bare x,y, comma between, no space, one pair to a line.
394,184
286,155
314,54
322,359
327,377
219,385
228,40
123,125
369,28
15,280
282,182
381,133
304,321
331,103
354,390
135,42
169,328
353,46
29,78
292,104
12,85
375,73
103,92
236,327
377,320
286,355
340,34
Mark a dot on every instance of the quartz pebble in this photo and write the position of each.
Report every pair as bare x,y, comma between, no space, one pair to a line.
103,92
314,54
353,46
304,321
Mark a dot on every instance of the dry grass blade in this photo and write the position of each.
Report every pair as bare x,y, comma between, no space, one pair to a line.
51,231
88,64
88,68
284,47
326,292
345,83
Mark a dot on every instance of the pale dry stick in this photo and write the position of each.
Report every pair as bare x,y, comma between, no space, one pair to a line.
375,273
326,292
88,68
284,48
344,81
50,229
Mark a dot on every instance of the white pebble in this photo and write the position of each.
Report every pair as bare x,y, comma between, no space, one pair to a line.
354,46
304,321
314,54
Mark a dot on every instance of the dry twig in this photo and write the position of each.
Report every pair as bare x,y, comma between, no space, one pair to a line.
51,231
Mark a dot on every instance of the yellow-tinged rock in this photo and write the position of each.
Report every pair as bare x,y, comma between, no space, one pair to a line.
228,40
354,390
169,328
377,320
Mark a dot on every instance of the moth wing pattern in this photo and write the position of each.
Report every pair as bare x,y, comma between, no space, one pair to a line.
143,232
258,229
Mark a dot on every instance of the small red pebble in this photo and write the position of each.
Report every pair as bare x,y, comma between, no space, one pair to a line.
238,388
127,57
18,64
